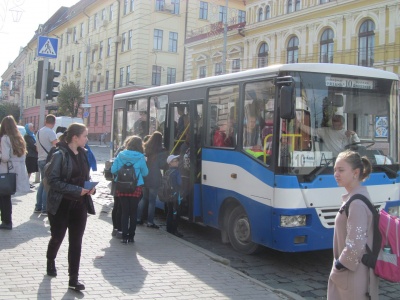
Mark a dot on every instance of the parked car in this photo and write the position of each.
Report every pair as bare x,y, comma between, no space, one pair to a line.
21,129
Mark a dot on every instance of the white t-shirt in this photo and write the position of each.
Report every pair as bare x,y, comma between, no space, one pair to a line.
46,136
335,140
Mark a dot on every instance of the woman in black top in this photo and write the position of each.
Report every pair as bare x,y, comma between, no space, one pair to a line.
67,201
31,160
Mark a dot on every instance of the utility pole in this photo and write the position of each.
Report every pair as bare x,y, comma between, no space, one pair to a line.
43,91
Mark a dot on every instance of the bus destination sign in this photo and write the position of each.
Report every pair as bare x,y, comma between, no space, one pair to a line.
349,83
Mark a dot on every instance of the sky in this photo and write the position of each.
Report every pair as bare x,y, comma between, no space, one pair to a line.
14,35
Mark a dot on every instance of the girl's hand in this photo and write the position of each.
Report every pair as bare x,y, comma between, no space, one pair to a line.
92,191
84,191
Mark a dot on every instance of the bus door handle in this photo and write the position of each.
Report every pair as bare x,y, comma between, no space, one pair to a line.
233,175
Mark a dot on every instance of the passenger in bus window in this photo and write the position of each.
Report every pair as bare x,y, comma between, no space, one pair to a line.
222,136
139,128
251,136
335,138
183,121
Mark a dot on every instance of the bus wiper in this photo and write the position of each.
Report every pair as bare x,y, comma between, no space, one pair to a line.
388,171
310,177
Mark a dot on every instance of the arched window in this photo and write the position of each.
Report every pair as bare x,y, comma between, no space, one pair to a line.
326,47
293,50
297,5
366,43
267,12
289,6
263,56
260,15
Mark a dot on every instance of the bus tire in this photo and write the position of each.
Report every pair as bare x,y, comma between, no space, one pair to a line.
239,232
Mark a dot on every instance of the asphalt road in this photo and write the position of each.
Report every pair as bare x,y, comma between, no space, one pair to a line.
305,274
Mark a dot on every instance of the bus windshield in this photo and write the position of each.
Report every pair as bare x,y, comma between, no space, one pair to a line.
335,113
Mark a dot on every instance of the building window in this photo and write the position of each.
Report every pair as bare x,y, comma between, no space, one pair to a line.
80,59
267,12
218,69
202,72
171,75
324,1
156,75
66,66
326,47
160,5
260,15
263,55
130,36
289,6
366,43
236,65
175,3
81,30
131,5
121,77
74,39
95,21
173,42
91,86
297,5
93,55
203,10
101,50
67,39
241,16
123,43
109,41
103,14
222,14
128,75
110,13
125,7
104,114
98,84
293,50
72,62
61,40
107,80
96,115
158,37
88,26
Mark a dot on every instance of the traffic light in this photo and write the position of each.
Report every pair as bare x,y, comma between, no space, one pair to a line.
38,92
51,84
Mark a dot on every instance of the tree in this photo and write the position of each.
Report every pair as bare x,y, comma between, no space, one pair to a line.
7,109
69,100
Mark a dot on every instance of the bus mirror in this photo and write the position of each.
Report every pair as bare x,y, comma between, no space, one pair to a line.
287,102
337,100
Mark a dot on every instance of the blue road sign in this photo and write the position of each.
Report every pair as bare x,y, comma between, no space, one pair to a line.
47,47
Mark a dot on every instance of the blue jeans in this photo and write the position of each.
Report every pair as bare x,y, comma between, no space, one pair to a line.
150,196
41,196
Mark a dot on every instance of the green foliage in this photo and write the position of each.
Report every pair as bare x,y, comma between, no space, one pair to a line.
69,100
7,109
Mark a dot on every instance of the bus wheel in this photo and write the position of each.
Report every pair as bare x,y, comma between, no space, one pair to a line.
239,232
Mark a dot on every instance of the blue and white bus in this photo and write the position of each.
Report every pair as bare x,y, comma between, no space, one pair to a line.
249,168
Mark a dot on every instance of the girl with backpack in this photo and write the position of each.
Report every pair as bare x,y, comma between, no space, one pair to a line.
132,155
350,278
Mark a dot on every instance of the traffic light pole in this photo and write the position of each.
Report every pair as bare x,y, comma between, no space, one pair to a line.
43,91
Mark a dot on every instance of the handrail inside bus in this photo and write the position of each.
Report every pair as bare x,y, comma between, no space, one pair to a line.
180,139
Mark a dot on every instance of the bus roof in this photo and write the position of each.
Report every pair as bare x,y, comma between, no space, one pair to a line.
339,69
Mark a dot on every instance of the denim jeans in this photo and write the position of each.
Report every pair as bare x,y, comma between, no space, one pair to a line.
41,196
150,196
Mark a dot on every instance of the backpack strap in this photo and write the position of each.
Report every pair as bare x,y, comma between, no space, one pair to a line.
370,258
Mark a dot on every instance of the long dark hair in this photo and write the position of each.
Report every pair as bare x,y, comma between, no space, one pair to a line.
9,128
135,143
75,129
154,144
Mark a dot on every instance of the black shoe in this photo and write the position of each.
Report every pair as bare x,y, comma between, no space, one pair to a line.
124,241
153,226
178,234
51,268
114,232
76,285
131,240
6,226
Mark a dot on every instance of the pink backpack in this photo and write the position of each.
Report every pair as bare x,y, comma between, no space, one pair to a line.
384,257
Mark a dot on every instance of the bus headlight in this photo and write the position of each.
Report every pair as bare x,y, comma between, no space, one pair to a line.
293,221
394,211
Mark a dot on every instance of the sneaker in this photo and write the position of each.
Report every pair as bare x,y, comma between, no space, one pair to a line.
153,226
44,213
76,285
37,211
6,226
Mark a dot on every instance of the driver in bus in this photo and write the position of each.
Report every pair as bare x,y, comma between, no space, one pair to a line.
139,127
335,138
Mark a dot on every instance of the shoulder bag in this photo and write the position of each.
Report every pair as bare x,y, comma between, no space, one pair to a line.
8,182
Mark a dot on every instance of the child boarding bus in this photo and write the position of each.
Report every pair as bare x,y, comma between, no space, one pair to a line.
257,148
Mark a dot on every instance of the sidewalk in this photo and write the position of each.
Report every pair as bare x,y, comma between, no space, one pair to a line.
157,266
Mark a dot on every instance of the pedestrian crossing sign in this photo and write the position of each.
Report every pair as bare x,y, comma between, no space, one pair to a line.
47,47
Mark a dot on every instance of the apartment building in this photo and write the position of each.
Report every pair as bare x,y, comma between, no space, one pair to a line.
365,33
